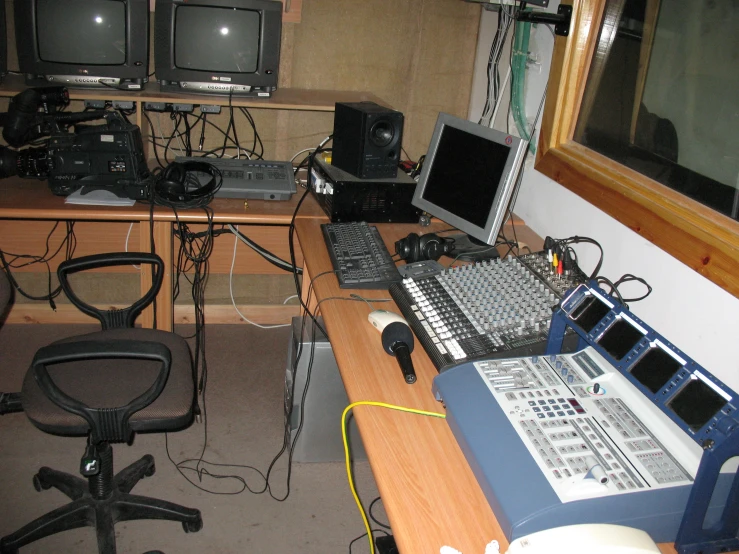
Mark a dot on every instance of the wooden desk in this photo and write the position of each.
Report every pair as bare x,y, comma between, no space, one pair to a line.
27,207
429,492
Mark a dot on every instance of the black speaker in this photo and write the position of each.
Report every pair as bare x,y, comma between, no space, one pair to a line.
367,139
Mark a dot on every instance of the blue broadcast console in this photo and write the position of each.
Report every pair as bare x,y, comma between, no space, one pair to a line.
627,430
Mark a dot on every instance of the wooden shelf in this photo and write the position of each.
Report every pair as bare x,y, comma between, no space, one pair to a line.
282,99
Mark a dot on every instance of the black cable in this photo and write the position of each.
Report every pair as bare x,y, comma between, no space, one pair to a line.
614,291
364,535
369,512
266,254
69,242
577,240
627,277
291,240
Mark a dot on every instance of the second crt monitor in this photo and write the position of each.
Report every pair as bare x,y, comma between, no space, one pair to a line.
467,180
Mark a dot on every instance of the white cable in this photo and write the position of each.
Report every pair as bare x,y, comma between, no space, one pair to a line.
299,153
231,291
495,51
126,245
491,123
176,133
289,298
321,145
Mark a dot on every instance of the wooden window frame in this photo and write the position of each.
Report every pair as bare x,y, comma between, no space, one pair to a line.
698,236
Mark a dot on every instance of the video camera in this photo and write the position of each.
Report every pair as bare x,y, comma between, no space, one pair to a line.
109,156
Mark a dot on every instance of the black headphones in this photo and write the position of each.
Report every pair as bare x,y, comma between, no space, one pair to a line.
172,185
426,247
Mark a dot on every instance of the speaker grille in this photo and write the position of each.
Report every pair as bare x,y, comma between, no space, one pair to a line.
367,139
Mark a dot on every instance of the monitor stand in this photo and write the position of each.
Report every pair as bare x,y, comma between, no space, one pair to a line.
470,249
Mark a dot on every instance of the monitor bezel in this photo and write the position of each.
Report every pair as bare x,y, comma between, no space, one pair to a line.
506,186
135,67
270,39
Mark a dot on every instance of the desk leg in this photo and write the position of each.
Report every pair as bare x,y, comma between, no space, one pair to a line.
163,242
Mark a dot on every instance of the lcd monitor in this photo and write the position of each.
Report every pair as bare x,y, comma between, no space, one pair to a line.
218,46
83,43
467,180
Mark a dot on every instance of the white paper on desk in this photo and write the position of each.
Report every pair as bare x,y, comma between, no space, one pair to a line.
97,197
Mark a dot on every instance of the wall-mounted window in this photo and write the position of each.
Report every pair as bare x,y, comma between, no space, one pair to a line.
642,120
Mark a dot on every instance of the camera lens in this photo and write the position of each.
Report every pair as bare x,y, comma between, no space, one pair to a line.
31,162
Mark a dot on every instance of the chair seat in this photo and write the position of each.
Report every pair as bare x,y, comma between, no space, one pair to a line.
89,381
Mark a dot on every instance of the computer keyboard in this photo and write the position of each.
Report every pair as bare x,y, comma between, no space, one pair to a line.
491,309
359,256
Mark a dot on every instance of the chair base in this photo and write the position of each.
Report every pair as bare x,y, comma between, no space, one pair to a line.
10,403
89,509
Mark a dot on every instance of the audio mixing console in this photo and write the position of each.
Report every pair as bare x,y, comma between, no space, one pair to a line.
495,308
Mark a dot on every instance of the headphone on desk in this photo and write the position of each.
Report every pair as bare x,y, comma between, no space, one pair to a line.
175,184
426,247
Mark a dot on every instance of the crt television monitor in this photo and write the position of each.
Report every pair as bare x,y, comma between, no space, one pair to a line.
468,177
218,46
83,43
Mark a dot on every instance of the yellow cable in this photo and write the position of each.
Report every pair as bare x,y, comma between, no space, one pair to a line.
348,460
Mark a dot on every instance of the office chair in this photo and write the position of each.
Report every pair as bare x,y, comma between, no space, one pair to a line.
107,385
5,291
10,402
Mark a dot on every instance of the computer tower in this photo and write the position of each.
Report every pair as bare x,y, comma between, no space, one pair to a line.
320,437
367,139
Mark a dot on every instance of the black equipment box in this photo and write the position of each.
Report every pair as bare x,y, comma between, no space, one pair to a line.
108,156
346,198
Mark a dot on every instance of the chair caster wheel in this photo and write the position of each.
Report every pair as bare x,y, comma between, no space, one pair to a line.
150,471
193,526
40,485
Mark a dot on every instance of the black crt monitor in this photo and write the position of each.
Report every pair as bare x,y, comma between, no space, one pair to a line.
218,46
468,177
83,43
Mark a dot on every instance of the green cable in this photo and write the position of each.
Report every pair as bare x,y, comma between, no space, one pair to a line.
519,57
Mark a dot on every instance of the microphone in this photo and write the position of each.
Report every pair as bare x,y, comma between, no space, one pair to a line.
397,340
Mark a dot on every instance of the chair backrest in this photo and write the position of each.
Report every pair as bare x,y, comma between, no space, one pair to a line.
115,318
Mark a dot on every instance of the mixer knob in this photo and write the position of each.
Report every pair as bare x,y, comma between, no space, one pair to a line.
558,365
570,379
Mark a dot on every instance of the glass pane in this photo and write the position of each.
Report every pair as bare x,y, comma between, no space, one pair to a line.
662,95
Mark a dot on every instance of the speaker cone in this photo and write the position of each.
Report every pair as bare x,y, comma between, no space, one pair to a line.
382,133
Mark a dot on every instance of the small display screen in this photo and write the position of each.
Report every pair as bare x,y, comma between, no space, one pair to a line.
620,338
84,32
696,404
466,174
589,313
655,368
216,39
